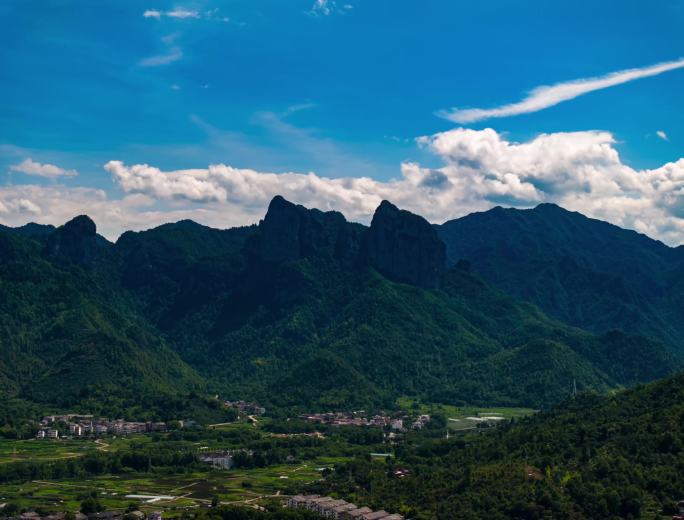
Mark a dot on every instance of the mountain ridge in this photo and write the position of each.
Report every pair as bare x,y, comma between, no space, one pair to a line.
245,310
583,271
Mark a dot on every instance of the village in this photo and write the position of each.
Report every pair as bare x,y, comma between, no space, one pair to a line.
399,424
81,425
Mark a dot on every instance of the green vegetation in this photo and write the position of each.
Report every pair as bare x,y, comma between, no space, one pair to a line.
163,318
582,271
241,486
618,456
61,475
38,451
167,323
458,417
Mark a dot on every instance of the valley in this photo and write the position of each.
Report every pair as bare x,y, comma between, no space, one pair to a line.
311,355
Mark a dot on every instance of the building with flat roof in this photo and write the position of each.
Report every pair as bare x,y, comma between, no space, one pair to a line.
355,514
375,515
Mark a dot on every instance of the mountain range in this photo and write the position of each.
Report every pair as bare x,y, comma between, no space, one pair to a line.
306,309
582,271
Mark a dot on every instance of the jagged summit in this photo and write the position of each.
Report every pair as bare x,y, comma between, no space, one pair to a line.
82,224
77,241
405,247
289,232
399,244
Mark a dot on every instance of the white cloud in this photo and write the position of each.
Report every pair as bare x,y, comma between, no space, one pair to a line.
182,13
174,54
322,7
178,13
327,7
662,135
548,96
581,171
50,171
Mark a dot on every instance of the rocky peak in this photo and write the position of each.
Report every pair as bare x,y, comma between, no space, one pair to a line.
77,241
405,247
290,232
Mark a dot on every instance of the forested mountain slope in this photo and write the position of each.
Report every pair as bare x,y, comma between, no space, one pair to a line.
303,293
67,337
594,457
372,313
582,271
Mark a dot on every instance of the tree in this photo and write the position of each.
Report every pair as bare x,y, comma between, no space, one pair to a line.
90,506
10,509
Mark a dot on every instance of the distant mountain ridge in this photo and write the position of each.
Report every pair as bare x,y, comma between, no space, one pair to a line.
304,309
582,271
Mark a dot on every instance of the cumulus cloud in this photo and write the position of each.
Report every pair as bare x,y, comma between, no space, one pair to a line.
57,204
549,95
662,135
50,171
479,169
579,170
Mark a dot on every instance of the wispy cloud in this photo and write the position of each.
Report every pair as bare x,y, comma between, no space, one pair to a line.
549,95
178,13
327,7
50,171
662,135
182,13
173,53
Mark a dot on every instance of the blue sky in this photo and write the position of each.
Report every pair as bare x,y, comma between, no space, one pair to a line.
342,89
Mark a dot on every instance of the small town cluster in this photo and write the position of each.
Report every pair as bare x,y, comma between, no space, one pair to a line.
359,419
78,425
329,507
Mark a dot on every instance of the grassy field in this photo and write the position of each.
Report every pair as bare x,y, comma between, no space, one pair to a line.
42,450
190,490
458,415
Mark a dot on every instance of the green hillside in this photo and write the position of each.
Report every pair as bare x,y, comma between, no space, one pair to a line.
594,457
292,313
582,271
257,319
67,339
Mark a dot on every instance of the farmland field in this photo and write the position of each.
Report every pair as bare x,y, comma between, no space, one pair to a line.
189,490
42,450
458,415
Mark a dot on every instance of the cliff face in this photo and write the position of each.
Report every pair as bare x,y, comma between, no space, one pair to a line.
399,244
405,247
76,241
291,232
